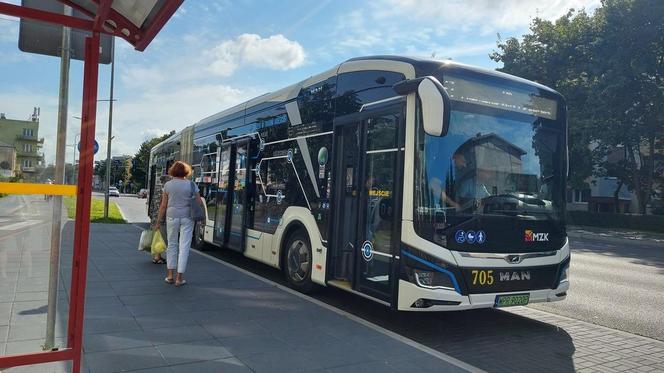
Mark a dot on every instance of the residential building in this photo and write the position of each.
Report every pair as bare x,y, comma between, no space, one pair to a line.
23,135
7,159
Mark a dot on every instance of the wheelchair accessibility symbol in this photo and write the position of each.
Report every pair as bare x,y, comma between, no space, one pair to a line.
367,250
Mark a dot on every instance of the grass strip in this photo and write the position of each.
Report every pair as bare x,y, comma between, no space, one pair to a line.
96,211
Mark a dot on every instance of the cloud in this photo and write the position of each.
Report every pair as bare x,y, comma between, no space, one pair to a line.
448,29
488,15
275,52
9,29
158,111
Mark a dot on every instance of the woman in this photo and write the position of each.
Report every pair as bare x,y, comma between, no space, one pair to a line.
176,204
157,258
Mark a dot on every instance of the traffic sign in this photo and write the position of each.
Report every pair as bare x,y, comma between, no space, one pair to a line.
45,38
96,146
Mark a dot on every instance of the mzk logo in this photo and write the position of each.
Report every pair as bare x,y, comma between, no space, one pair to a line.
531,236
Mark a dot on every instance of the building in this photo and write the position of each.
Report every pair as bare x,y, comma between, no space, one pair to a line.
23,135
600,197
7,160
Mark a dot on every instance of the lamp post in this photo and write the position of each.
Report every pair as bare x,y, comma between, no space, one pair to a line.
110,131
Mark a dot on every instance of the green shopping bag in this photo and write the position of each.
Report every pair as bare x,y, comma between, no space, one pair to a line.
158,245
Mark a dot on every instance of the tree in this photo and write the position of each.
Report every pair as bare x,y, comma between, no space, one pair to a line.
610,68
141,161
118,170
558,54
630,90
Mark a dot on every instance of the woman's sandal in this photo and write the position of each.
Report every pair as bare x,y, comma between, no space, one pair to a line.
181,283
169,281
158,261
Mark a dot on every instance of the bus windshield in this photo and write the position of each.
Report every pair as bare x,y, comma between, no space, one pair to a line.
492,163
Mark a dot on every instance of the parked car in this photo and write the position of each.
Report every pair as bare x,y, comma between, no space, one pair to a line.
143,193
113,192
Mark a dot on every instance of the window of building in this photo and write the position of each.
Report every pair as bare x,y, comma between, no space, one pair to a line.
27,147
28,132
578,196
27,163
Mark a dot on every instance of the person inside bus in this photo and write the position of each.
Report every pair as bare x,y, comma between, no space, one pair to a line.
469,186
176,205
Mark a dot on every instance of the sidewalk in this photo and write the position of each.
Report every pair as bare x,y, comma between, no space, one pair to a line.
223,320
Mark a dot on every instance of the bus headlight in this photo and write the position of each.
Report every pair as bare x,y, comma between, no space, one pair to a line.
432,280
428,272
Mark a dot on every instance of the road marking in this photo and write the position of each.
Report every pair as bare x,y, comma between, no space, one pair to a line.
19,225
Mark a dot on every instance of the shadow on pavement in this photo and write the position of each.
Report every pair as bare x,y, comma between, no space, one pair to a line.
639,252
491,340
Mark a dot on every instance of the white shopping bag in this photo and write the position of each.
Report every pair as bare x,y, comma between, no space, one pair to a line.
146,240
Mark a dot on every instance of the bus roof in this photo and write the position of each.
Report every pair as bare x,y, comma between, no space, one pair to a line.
422,67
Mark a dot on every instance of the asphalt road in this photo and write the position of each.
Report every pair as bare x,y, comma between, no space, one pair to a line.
617,278
133,209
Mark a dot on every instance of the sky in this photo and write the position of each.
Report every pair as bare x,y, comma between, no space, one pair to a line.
214,54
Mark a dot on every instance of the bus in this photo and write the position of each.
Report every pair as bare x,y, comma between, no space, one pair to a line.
423,185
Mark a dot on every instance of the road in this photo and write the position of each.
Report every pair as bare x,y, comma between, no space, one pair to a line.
617,281
133,208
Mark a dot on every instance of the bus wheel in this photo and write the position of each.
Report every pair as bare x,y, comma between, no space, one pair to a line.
197,242
298,262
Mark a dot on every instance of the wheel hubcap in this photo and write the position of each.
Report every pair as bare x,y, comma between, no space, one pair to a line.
298,261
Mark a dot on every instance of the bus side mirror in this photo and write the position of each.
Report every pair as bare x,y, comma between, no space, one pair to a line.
434,100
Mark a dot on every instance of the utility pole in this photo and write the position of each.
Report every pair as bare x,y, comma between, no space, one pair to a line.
61,146
110,131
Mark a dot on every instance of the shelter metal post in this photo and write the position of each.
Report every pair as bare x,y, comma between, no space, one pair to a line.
56,225
83,201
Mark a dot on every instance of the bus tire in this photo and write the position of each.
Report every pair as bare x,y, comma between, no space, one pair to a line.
197,241
297,264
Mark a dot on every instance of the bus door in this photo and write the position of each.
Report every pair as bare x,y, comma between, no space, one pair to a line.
368,165
221,219
238,197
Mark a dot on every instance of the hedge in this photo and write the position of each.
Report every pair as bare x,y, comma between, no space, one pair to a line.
654,223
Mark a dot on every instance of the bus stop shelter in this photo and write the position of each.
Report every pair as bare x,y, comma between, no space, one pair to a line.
138,22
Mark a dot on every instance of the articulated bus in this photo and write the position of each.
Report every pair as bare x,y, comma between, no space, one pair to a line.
423,185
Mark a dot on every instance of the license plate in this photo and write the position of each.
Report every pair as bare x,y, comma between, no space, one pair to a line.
512,300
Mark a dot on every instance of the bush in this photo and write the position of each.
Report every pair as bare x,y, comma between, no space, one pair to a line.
658,207
654,223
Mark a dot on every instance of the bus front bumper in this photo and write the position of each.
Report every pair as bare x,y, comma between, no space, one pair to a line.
415,298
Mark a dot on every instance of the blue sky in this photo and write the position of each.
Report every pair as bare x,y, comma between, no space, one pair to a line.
215,54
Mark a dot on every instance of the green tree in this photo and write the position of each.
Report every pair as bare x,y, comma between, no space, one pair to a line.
559,54
629,100
610,68
141,161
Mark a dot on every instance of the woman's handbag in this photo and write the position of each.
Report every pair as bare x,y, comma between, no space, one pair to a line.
197,213
158,245
145,243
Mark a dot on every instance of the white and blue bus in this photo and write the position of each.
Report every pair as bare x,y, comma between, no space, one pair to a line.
423,185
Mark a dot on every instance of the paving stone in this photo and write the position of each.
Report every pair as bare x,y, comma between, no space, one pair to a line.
190,352
278,362
178,334
115,341
233,329
125,360
255,343
31,346
230,365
